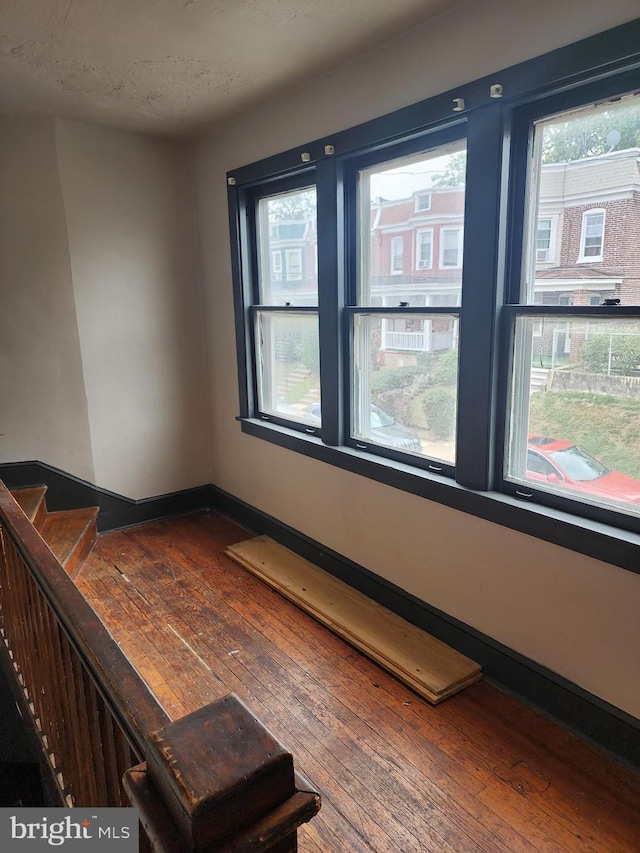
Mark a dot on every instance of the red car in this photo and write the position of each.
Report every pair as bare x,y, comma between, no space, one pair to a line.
559,462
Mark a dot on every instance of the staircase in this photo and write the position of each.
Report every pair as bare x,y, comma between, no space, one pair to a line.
69,533
539,379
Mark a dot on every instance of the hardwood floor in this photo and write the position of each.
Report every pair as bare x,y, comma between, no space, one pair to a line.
479,772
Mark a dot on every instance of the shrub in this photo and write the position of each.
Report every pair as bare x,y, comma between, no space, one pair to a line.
616,354
445,371
395,403
440,409
391,378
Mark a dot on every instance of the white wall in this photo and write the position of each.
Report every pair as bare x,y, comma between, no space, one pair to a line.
128,201
573,614
101,333
43,410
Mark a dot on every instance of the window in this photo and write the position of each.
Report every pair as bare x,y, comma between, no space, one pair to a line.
543,240
486,372
294,264
577,422
424,249
396,255
592,238
450,247
389,346
285,331
423,201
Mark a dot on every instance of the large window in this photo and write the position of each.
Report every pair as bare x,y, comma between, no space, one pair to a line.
403,361
453,306
574,397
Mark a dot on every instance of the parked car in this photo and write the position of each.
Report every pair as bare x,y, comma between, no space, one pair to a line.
556,461
383,429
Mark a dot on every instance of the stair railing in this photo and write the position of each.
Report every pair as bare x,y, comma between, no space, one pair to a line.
215,780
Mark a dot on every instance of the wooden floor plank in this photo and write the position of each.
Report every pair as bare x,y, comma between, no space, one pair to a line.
430,667
396,773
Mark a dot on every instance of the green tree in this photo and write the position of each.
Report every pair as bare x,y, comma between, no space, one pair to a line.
592,133
455,172
297,205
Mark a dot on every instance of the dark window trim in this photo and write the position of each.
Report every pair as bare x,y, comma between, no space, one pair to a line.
592,538
489,126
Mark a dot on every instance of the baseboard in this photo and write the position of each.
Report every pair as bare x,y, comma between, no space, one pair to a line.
64,491
583,713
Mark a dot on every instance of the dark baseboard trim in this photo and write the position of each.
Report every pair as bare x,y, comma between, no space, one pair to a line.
583,713
64,491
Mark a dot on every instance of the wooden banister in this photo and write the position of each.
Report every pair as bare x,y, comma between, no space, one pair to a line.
215,780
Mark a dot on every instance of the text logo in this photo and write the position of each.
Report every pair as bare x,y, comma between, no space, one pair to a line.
41,829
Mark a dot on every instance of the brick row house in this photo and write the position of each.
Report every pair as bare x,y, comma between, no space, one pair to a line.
587,247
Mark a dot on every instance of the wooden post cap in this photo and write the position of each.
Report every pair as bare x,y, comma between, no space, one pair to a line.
219,770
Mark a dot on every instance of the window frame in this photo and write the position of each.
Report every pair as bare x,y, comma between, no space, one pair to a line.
418,262
498,139
553,230
397,240
422,208
586,215
451,229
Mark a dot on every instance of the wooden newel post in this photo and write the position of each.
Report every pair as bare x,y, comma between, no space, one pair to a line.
217,780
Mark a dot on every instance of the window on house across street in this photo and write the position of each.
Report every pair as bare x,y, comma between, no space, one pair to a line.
450,247
543,240
496,368
423,201
592,239
424,249
396,255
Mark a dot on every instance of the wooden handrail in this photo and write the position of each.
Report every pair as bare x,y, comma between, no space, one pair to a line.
99,722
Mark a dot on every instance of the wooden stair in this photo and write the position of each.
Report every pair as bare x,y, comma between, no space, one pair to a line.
69,533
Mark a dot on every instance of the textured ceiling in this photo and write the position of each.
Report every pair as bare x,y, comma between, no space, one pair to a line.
174,66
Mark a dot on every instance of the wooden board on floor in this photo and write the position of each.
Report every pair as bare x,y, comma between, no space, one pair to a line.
428,666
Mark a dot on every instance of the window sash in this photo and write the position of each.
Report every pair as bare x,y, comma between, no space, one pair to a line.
286,355
424,249
592,237
450,248
423,202
543,239
397,251
407,332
